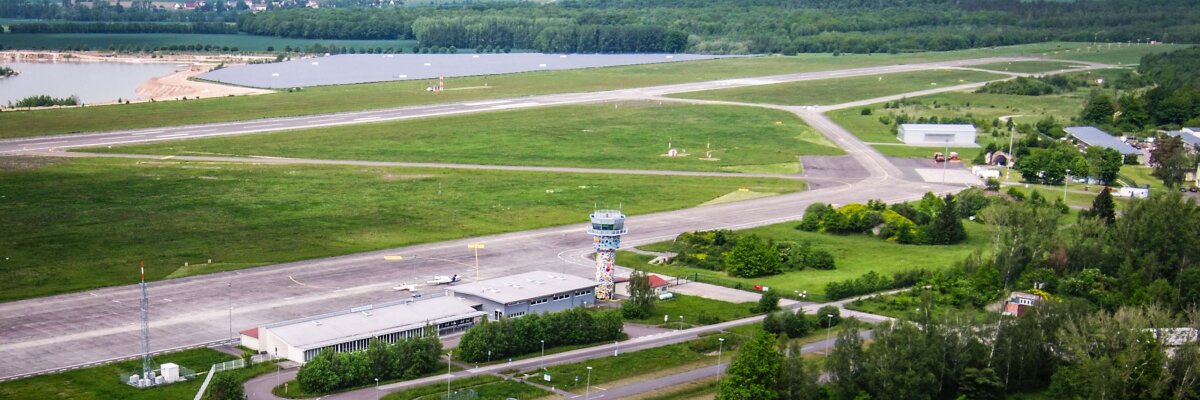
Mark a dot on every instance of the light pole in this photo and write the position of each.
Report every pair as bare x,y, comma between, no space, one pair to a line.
1066,182
489,356
1008,162
542,360
476,247
828,330
720,347
449,363
616,348
587,393
376,383
681,322
945,161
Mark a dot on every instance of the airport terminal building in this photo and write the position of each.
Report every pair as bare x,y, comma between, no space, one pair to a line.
537,291
300,340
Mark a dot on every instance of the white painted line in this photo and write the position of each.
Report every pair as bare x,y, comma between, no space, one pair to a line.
486,103
146,132
45,143
366,118
172,135
518,105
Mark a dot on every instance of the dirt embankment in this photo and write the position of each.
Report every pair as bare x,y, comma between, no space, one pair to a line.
179,85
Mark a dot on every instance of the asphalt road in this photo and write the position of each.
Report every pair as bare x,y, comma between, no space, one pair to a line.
73,330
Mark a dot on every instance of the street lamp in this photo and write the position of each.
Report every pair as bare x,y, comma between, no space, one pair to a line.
376,383
449,363
1066,182
489,356
476,247
229,298
616,348
720,347
828,330
542,360
587,393
681,322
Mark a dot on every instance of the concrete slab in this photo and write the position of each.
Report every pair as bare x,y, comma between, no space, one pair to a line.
949,176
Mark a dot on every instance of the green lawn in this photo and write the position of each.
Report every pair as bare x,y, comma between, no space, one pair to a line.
1028,67
485,387
1123,54
79,224
610,135
102,383
625,365
907,306
102,41
392,94
690,306
855,255
841,90
1136,175
291,389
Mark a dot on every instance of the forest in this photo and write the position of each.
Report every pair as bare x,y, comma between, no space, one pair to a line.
718,26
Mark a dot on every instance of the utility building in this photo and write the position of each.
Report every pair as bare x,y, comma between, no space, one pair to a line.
530,292
1089,136
954,135
352,330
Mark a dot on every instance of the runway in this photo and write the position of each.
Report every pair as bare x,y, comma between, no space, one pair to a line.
66,331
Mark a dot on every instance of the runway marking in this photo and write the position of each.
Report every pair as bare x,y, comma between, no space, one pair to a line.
366,118
167,158
172,135
301,284
518,105
146,132
486,103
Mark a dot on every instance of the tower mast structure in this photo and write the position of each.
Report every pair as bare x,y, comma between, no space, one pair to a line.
146,369
606,230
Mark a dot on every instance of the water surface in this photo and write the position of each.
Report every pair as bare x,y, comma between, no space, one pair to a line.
91,82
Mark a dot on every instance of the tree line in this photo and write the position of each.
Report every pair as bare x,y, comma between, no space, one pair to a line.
743,255
123,27
510,337
330,371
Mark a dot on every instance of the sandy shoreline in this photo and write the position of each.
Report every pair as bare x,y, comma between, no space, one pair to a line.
176,86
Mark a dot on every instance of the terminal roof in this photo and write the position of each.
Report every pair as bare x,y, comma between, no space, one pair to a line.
526,286
370,321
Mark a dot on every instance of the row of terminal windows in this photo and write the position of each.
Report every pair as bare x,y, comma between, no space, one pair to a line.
583,292
391,338
516,314
561,296
538,301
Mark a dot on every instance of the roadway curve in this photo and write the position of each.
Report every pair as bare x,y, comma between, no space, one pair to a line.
79,329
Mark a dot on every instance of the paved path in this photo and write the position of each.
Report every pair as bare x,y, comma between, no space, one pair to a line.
74,330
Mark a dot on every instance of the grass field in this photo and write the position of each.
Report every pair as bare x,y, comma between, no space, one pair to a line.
642,363
85,223
484,386
392,94
690,306
291,389
855,255
841,90
1123,54
102,41
101,383
1028,67
615,135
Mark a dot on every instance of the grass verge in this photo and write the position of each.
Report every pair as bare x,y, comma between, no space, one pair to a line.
614,135
85,223
1027,67
855,255
691,306
841,90
484,386
292,390
102,382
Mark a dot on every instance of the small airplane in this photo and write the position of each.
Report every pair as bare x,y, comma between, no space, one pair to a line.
444,280
411,287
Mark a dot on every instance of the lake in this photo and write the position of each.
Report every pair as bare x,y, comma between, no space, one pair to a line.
362,68
91,82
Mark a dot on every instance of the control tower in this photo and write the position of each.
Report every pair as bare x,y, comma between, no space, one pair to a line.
606,230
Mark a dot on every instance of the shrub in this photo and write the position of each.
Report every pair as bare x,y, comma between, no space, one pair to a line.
819,259
516,336
829,316
767,303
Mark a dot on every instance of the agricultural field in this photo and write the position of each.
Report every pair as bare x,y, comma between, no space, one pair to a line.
244,43
841,90
328,99
612,135
1028,67
71,223
855,255
101,382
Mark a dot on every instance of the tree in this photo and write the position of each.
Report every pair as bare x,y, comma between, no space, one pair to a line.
1099,109
1104,163
767,303
754,374
1104,207
226,386
641,297
752,257
846,365
1171,161
829,316
797,381
1133,111
981,384
318,375
947,227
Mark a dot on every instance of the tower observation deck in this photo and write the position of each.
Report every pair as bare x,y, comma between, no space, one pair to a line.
606,230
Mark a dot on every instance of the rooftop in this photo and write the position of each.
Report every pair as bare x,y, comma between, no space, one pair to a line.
1095,137
657,282
940,127
1187,137
371,320
526,286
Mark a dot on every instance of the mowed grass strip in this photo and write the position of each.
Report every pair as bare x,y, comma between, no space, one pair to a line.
327,99
485,387
1027,67
690,307
102,382
855,255
841,90
86,223
612,135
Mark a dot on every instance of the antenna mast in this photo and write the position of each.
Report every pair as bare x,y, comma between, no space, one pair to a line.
145,325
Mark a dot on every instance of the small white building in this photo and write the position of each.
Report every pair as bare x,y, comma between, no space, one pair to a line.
1134,192
955,135
984,172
